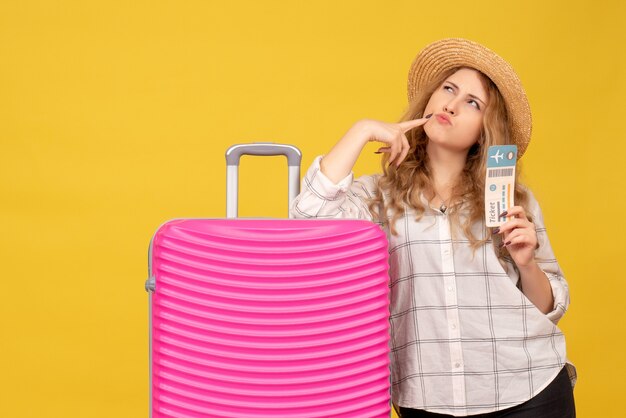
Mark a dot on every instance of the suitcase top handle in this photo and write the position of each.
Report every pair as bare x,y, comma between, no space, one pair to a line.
233,155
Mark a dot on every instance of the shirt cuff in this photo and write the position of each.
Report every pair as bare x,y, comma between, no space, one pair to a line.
323,186
560,295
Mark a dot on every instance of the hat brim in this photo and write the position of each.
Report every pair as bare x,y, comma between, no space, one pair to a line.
451,53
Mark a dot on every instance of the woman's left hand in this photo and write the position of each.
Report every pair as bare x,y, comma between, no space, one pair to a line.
519,236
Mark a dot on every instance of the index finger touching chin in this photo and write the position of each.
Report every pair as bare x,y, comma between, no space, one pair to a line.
410,124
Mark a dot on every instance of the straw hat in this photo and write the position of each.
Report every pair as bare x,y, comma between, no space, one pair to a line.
457,52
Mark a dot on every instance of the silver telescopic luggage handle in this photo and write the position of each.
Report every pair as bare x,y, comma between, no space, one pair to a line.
234,153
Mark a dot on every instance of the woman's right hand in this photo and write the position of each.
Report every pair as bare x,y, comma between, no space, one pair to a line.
391,134
338,163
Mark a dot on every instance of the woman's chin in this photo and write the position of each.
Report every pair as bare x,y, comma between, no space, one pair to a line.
439,144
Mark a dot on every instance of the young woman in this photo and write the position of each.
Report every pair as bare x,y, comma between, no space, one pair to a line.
473,311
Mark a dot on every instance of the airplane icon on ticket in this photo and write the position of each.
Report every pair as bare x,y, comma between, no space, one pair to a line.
497,156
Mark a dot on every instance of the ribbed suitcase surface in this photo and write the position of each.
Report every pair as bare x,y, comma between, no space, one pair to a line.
269,318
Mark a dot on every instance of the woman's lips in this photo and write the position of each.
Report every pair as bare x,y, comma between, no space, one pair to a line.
443,120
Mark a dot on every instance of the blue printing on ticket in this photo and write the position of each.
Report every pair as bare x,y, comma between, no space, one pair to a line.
502,156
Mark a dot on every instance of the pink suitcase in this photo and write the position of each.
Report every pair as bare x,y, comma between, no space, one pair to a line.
268,317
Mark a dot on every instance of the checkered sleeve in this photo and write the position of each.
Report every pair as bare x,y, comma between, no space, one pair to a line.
321,198
547,262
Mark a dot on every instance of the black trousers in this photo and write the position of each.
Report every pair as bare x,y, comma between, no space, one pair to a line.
555,401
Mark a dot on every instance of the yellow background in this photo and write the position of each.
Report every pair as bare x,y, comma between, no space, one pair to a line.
115,115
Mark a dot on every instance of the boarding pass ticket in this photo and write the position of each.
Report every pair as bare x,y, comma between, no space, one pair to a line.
500,182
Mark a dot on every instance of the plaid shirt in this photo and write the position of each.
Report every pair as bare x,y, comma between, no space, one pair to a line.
464,338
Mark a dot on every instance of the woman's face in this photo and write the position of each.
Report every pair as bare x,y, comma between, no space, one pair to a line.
458,107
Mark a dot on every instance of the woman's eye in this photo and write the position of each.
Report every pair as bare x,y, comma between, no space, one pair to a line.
447,88
474,103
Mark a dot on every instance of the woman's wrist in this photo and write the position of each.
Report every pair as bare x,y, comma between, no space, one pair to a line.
530,267
360,132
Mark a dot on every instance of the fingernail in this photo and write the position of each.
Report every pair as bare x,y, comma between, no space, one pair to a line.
495,231
507,243
377,152
503,214
428,116
501,245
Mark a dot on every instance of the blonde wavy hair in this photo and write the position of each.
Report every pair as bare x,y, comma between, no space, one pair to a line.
401,187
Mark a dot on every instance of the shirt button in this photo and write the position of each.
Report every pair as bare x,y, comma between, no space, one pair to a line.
450,288
446,251
457,365
453,326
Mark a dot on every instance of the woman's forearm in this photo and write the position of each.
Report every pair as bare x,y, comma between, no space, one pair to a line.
338,163
536,287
